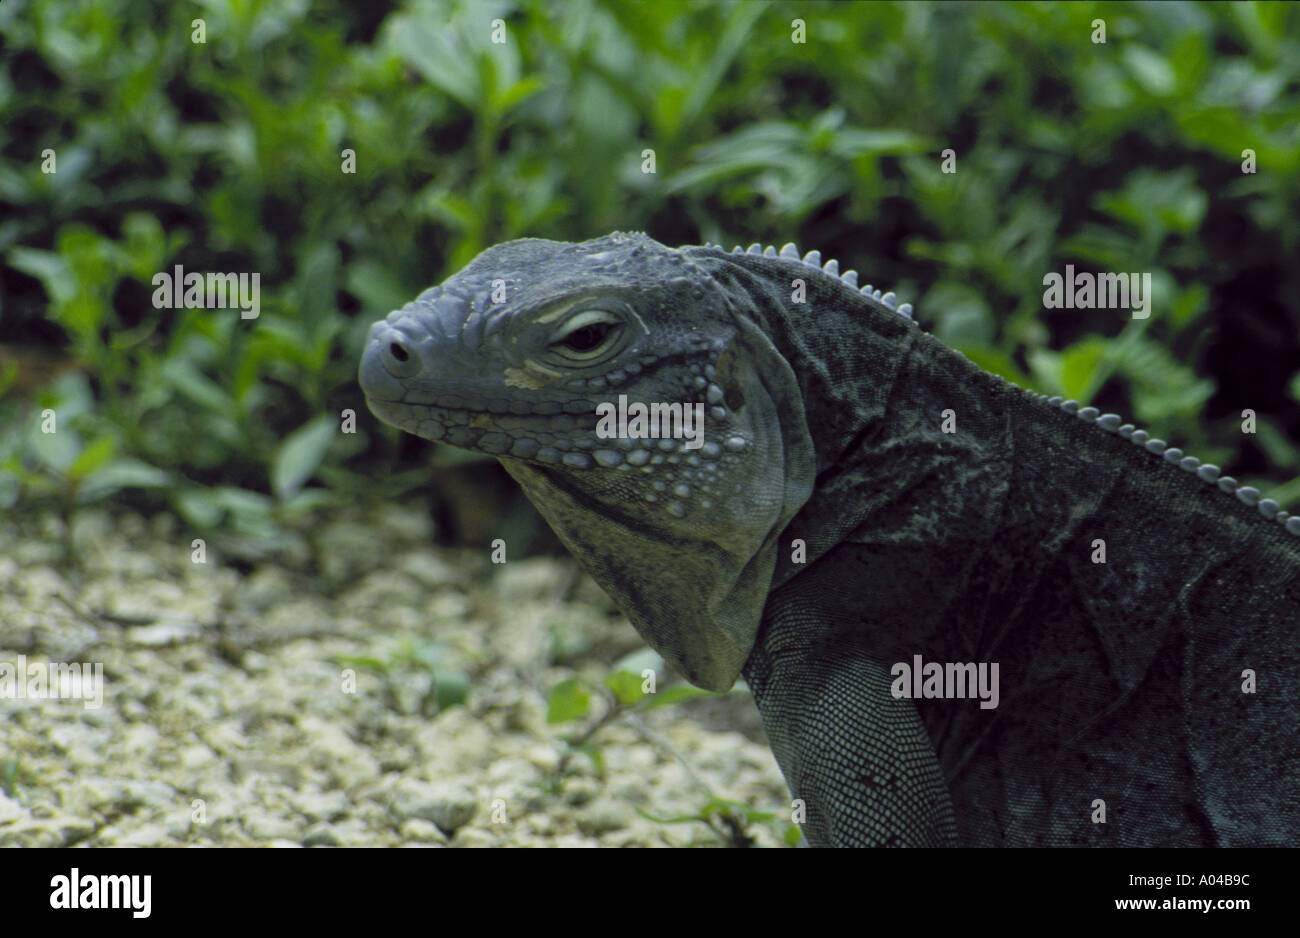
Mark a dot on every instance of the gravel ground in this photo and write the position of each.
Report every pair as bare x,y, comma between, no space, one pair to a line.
282,694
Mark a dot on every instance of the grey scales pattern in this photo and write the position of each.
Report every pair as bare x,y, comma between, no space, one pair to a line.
1120,681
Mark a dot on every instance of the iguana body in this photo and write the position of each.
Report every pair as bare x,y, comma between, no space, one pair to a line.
835,522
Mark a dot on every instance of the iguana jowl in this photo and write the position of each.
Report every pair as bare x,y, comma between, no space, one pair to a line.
829,528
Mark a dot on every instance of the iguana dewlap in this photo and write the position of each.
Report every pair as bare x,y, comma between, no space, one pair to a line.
861,497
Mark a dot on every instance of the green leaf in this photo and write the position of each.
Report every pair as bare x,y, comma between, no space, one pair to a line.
197,387
199,506
676,695
435,50
421,652
1287,494
57,451
8,376
452,688
242,501
300,455
725,807
376,286
146,246
996,362
1276,445
519,91
363,663
49,268
1079,363
205,507
122,474
92,457
568,700
626,686
1045,366
309,500
1150,70
1188,304
962,315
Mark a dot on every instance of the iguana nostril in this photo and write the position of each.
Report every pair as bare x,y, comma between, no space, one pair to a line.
399,359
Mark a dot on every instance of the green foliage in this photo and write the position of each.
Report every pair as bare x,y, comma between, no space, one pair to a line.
568,700
624,694
729,820
625,686
417,668
628,689
227,156
713,808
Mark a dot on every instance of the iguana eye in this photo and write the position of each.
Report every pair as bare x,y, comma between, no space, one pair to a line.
587,335
587,338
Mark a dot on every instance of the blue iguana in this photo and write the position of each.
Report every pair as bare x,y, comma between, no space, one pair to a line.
863,498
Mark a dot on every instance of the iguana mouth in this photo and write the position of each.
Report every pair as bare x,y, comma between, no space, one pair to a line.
543,439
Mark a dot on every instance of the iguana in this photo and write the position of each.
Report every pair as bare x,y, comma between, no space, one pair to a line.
862,495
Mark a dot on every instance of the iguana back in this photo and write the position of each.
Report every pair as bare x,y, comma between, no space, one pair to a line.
865,498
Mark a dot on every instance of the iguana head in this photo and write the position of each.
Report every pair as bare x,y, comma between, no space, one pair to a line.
525,353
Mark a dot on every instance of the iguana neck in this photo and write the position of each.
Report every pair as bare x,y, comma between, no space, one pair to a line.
916,445
879,406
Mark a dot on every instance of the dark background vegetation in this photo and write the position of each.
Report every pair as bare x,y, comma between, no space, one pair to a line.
226,156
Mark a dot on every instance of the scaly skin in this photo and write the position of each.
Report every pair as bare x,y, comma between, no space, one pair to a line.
832,525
